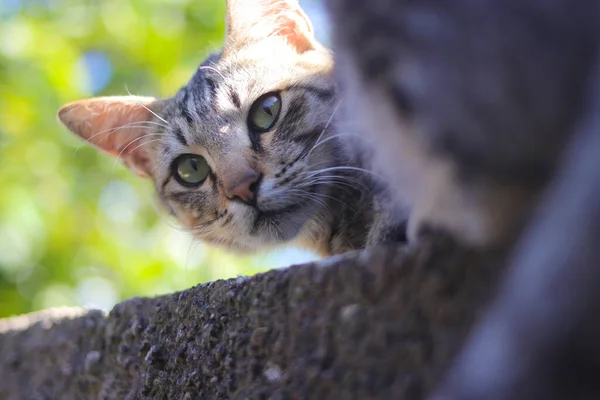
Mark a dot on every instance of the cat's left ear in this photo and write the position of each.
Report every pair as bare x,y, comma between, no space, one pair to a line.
116,125
254,20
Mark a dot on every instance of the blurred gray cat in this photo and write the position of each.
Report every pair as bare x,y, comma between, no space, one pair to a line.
486,114
248,155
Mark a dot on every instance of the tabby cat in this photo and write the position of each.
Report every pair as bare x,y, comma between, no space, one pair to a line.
248,154
486,114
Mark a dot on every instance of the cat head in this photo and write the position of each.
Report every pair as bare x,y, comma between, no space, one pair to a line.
234,154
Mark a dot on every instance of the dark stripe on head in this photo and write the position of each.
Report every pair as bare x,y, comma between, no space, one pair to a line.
206,74
212,87
179,135
200,91
184,107
235,99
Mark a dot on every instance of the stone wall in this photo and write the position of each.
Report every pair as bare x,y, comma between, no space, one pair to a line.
375,325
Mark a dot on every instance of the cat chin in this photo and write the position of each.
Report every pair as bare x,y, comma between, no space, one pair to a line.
265,229
281,226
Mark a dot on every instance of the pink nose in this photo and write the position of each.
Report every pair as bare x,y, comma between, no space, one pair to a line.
244,187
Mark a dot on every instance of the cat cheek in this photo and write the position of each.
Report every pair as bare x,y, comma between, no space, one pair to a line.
187,219
167,206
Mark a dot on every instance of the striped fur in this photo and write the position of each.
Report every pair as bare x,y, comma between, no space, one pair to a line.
314,191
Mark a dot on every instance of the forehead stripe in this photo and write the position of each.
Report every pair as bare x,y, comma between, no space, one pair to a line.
179,135
235,99
184,108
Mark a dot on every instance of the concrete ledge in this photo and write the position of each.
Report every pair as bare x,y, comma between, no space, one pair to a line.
380,324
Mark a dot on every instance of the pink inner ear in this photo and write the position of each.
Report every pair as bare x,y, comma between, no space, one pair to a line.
117,139
254,20
294,35
114,125
293,25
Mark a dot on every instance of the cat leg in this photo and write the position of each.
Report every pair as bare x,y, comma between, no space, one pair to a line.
390,222
540,338
477,212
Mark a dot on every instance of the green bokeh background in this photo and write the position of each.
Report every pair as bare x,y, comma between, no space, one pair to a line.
76,228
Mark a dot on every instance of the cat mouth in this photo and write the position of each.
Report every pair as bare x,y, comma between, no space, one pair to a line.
270,214
276,222
265,215
283,222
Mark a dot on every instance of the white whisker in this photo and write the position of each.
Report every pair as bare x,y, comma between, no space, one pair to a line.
110,131
149,110
118,157
343,168
327,139
324,129
209,68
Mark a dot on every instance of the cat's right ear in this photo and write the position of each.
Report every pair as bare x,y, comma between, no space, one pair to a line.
254,20
116,125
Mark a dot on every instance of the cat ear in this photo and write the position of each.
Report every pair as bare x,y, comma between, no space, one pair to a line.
253,20
115,125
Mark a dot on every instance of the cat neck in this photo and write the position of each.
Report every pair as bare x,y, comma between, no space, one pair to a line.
342,224
355,216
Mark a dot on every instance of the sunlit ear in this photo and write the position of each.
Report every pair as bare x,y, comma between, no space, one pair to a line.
117,125
253,20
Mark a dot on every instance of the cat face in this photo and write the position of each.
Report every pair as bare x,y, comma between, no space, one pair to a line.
239,157
240,154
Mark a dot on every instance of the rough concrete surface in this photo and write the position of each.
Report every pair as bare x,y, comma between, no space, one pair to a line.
381,324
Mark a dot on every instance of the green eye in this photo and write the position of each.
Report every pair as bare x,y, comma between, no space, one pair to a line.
264,112
190,169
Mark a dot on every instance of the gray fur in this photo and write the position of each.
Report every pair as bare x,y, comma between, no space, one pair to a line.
463,85
496,96
335,214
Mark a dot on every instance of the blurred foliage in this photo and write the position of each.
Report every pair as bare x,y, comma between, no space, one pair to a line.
76,228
